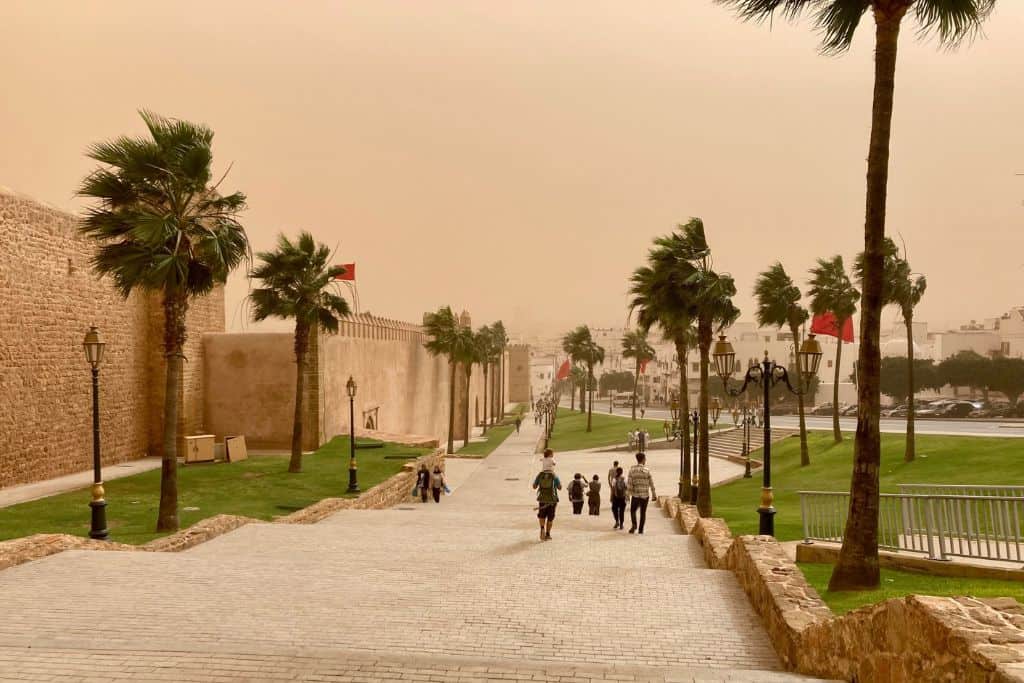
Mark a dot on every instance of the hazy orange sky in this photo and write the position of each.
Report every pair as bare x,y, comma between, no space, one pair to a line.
515,158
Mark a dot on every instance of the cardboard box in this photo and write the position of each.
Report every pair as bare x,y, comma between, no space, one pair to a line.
234,448
199,448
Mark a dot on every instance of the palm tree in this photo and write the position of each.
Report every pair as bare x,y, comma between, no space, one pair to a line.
578,377
575,344
712,294
778,303
832,292
660,297
636,346
466,350
296,284
442,330
591,354
486,352
161,226
952,21
501,345
905,290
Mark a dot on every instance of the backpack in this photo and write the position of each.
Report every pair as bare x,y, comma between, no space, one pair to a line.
546,488
619,487
576,490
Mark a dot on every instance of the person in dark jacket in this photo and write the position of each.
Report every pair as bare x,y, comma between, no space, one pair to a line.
618,492
594,496
423,482
576,492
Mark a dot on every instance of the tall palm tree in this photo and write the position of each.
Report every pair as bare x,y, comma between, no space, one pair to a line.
501,344
903,289
467,353
778,303
486,352
951,21
712,294
636,346
591,354
442,330
162,226
297,283
575,344
660,297
832,292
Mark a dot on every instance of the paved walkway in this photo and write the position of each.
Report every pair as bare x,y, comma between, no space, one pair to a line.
459,591
22,493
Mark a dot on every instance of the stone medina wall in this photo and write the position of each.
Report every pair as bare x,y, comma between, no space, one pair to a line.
251,384
49,297
916,638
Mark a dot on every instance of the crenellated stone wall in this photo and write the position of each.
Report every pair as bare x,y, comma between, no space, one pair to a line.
49,296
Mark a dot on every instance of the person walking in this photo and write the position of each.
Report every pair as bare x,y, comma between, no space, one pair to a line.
576,490
611,474
547,485
437,483
423,482
519,422
618,490
641,490
594,496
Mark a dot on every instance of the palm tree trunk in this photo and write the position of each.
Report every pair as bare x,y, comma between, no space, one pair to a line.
837,433
909,453
572,396
857,566
451,408
684,410
175,306
636,381
501,383
805,455
469,374
485,397
703,454
590,391
301,342
584,388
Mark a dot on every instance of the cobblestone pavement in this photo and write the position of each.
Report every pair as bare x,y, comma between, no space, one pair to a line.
459,591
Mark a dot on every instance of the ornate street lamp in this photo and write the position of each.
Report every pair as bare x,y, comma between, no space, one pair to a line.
94,355
353,483
767,374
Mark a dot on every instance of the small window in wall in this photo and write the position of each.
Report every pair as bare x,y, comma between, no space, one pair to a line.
1004,348
767,339
694,367
830,364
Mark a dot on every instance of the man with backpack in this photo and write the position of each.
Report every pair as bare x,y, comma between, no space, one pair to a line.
577,487
547,485
618,491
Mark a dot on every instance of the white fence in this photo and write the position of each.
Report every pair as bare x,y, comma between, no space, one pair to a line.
939,525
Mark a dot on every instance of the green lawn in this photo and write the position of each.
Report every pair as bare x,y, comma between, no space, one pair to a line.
494,438
259,487
899,583
608,430
940,460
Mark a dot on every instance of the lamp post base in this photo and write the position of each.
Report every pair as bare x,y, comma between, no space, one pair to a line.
767,522
98,527
353,484
694,487
746,470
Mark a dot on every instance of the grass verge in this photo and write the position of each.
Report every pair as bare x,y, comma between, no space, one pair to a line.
899,583
259,487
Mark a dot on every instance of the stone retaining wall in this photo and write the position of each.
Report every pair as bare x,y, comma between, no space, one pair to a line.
388,493
916,638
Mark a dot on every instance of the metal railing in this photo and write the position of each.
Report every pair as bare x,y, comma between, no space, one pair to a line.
961,490
941,526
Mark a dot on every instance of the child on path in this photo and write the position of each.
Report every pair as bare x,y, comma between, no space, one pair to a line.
618,491
547,486
547,463
594,496
576,490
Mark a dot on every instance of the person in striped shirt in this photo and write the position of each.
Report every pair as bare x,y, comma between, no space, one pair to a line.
641,490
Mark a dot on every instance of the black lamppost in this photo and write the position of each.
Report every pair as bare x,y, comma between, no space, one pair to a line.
353,483
94,354
694,460
767,374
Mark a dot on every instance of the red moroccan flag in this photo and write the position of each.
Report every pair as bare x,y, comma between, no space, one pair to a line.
643,366
563,370
826,324
349,274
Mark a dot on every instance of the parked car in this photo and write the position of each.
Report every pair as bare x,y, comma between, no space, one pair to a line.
849,410
823,409
893,410
957,409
